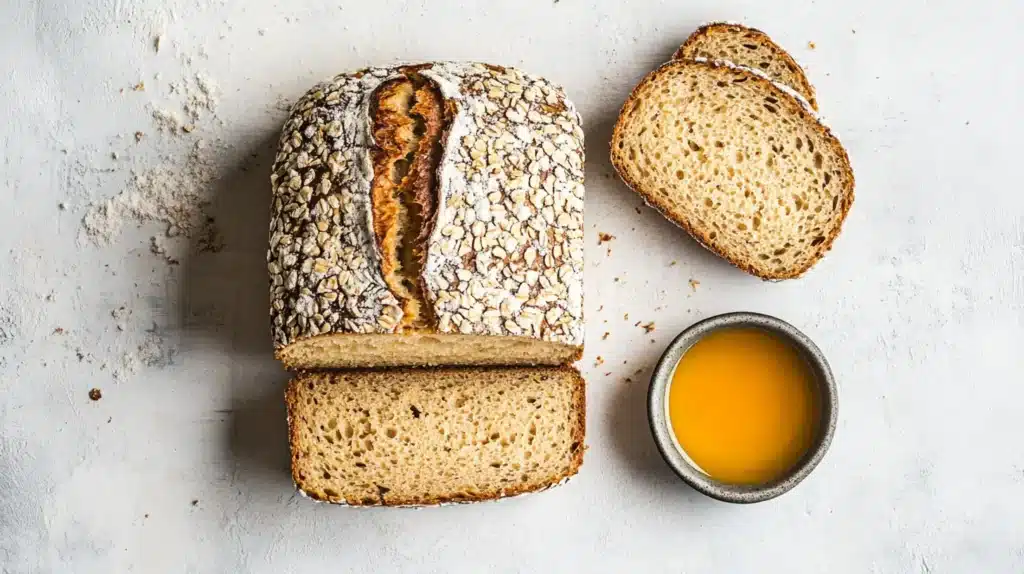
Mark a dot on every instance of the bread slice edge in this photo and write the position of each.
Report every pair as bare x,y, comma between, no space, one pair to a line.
805,89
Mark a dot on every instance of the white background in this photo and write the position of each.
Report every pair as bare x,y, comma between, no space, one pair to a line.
919,307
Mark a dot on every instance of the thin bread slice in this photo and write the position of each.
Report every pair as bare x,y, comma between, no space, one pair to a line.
741,163
747,47
409,437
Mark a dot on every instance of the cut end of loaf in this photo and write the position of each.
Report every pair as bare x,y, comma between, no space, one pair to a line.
423,437
749,47
346,351
736,161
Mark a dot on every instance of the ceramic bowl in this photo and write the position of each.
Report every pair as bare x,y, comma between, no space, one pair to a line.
675,456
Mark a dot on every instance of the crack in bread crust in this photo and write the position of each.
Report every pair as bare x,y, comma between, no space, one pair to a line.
408,121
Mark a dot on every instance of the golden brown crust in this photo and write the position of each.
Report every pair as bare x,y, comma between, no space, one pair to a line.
795,107
408,123
688,51
579,434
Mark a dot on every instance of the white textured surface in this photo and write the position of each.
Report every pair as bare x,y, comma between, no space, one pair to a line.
920,306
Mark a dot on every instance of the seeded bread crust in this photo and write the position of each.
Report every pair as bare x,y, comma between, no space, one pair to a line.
578,430
505,255
796,105
697,46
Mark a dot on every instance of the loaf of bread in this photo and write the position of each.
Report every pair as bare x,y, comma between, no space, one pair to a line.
740,162
428,215
748,47
430,436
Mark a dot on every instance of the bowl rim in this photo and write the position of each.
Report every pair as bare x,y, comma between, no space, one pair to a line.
673,453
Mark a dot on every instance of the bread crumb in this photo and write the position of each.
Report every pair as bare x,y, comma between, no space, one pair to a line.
638,212
598,361
605,336
195,502
673,263
628,380
625,317
607,374
601,308
95,394
648,327
694,284
139,136
602,237
140,87
157,41
811,45
58,331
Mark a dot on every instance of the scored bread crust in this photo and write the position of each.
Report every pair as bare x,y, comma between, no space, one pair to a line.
505,254
690,50
579,404
784,93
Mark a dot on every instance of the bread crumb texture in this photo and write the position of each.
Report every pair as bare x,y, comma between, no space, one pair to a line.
422,436
738,162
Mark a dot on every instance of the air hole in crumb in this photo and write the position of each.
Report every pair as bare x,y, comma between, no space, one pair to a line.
817,241
391,433
818,160
693,145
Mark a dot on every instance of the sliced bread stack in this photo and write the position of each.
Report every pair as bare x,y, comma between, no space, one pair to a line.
724,140
426,237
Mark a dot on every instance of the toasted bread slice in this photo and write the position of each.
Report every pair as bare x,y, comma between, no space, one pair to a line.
409,437
747,47
739,161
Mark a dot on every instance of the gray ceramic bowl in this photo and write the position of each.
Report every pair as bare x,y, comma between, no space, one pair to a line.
657,409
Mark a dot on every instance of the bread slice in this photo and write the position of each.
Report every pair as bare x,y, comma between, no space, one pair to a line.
430,436
747,47
740,162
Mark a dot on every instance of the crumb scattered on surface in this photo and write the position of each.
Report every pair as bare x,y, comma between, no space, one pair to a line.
638,212
601,308
811,45
58,331
694,284
605,336
598,361
140,87
139,136
625,317
157,41
120,316
648,327
96,394
603,237
673,263
62,206
195,502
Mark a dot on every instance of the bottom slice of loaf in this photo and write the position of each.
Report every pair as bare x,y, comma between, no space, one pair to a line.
429,436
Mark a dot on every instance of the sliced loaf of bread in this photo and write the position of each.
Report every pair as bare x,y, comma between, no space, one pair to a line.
747,47
429,436
739,161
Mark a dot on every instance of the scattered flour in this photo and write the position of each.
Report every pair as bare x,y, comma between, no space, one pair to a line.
153,352
175,196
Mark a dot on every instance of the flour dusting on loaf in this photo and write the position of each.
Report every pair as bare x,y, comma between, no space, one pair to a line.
503,254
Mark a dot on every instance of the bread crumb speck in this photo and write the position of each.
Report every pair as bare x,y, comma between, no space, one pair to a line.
811,45
673,263
625,317
694,284
648,327
95,394
605,336
598,361
140,87
139,136
603,237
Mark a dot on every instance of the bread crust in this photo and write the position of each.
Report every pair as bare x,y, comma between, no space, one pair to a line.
578,432
503,239
688,48
620,163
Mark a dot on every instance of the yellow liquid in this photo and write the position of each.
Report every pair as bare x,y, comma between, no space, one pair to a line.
744,405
